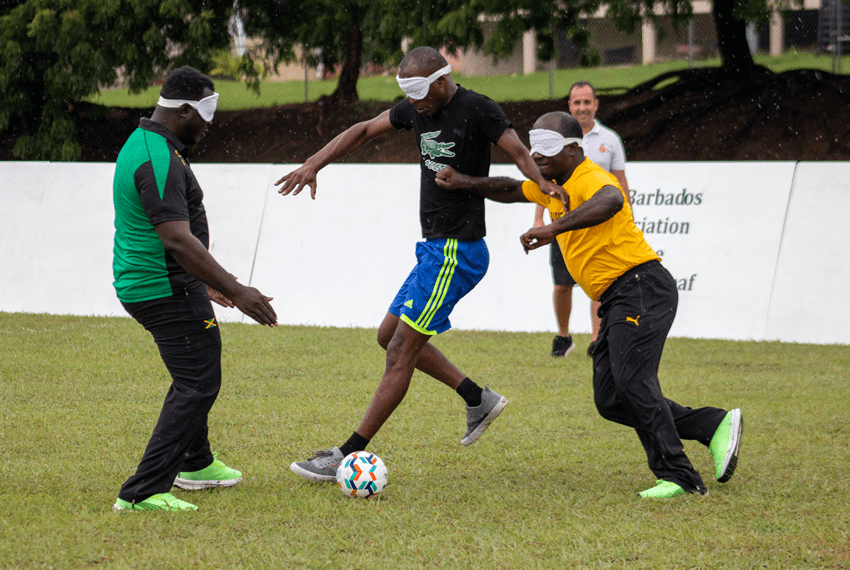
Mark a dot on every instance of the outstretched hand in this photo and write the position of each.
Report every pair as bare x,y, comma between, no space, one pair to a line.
256,305
296,180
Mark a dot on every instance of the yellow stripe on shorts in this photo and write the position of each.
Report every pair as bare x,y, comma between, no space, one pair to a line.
441,287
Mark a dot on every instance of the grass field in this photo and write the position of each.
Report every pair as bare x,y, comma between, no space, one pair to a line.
535,86
550,485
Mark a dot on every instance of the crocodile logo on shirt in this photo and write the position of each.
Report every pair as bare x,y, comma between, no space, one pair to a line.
435,149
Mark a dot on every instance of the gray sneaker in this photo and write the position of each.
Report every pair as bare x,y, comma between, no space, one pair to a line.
482,415
321,467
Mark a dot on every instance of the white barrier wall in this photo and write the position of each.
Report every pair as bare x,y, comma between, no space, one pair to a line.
809,300
56,235
757,248
717,227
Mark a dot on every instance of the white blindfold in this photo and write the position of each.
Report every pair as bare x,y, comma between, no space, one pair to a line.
548,143
417,87
205,107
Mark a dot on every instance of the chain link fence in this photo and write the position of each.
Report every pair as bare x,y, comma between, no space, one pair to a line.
824,30
689,41
609,46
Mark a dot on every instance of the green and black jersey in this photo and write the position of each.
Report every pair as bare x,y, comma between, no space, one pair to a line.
153,184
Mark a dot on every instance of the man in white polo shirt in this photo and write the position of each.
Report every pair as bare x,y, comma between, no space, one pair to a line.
604,147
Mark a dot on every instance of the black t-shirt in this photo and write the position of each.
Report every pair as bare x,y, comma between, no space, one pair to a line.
459,135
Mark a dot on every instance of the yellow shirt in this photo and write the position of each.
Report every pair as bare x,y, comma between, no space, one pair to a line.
595,256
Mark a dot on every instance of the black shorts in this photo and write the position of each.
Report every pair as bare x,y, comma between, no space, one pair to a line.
560,275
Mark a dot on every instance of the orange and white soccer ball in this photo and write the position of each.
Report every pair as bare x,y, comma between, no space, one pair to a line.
361,474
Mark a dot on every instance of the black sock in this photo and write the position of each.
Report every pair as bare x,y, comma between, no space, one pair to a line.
470,392
355,443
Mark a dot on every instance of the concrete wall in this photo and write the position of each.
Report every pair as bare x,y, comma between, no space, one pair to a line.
757,248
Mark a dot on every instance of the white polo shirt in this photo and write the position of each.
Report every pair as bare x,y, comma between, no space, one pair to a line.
604,147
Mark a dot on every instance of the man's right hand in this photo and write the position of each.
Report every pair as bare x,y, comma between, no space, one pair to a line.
256,305
556,191
295,181
450,179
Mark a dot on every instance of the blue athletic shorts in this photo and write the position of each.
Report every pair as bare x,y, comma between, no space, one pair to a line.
446,270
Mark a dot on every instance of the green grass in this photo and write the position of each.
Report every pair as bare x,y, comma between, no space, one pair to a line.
503,88
550,485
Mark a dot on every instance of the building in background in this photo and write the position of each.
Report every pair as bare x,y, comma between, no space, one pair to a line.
812,26
804,28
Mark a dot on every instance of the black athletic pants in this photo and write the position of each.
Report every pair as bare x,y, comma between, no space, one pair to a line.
637,312
186,332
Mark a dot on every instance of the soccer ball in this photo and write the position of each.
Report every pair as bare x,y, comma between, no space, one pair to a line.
361,474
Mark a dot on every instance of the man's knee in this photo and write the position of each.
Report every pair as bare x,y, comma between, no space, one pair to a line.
607,408
384,338
387,329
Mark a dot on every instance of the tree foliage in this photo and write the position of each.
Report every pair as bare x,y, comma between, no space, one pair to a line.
549,17
349,33
58,52
352,32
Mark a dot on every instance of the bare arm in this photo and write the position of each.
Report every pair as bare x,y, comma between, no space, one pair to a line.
510,143
342,145
538,216
498,189
192,256
601,207
620,175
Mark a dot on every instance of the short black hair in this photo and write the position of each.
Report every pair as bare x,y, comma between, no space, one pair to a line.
422,59
581,84
186,83
562,122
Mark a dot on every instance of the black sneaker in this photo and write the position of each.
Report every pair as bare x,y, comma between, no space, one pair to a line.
590,348
562,346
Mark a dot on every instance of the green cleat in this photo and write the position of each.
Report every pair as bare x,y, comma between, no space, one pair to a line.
217,474
662,490
158,502
725,444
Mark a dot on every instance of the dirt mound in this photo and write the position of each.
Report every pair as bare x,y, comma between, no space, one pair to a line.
699,115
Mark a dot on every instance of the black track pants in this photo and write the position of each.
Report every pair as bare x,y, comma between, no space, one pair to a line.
187,335
637,312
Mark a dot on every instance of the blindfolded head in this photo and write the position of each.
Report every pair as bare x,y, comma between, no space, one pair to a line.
205,107
418,87
548,143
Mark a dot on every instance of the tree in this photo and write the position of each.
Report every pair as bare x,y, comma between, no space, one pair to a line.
320,27
730,17
548,16
59,52
351,32
730,21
